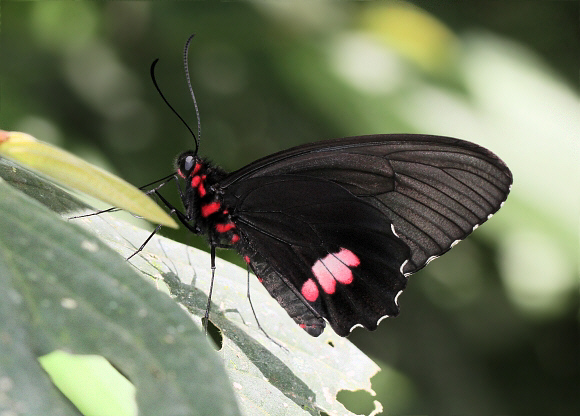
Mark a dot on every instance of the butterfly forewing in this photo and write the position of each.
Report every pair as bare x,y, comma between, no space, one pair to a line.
433,189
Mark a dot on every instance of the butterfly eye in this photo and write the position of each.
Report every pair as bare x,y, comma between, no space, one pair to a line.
188,163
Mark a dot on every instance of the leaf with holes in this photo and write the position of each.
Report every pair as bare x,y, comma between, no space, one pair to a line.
305,377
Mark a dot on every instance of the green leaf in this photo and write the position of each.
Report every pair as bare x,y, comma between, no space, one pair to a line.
304,378
77,174
91,383
63,288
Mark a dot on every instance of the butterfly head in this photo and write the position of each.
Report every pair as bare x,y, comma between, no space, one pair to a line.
187,164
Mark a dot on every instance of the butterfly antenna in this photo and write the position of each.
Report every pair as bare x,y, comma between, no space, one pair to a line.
188,78
169,105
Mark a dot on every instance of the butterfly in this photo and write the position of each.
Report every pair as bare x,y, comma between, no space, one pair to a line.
333,229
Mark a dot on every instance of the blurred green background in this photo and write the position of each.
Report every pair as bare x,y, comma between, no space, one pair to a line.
490,328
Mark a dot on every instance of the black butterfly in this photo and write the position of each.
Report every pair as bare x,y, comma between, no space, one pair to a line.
333,229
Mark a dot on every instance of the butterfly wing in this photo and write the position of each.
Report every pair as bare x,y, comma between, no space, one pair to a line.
434,190
320,251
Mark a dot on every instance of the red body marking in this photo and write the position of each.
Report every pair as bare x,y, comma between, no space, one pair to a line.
247,259
235,238
201,188
195,181
207,210
222,228
180,173
196,168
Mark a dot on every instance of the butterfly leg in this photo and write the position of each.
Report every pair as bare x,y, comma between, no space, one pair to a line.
184,219
256,316
227,246
208,306
112,209
172,210
145,243
164,181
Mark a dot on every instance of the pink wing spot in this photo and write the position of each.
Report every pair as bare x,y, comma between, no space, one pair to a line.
223,228
226,212
348,257
207,210
309,290
235,239
196,168
324,276
247,259
195,181
260,279
335,267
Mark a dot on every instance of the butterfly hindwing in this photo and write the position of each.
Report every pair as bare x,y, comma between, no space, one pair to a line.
319,250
